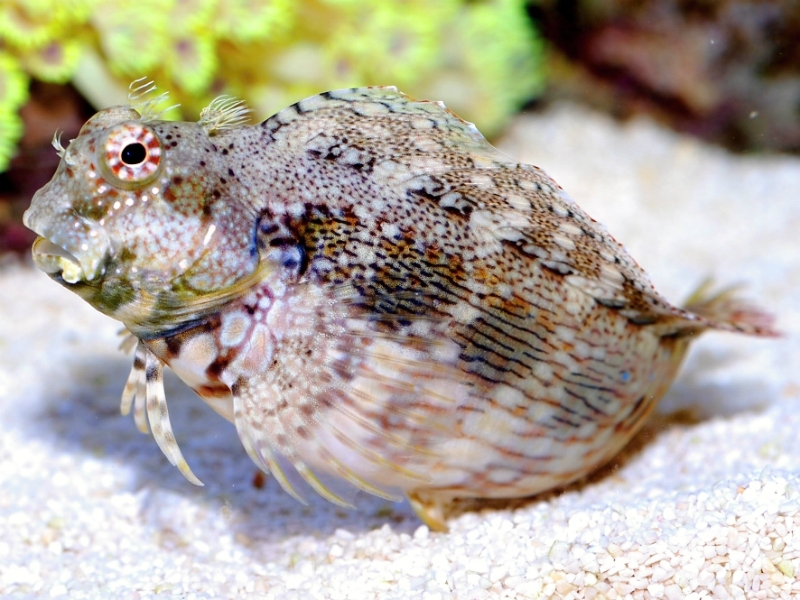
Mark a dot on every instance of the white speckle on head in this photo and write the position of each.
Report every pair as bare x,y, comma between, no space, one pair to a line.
128,201
117,205
278,288
209,232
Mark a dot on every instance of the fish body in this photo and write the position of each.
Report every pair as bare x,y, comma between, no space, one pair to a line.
370,291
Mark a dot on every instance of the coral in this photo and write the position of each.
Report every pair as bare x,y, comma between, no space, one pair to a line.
13,93
481,57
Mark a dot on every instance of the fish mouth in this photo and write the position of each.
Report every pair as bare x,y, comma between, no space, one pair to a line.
56,260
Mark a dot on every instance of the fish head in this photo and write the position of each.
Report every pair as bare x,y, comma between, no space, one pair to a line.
143,220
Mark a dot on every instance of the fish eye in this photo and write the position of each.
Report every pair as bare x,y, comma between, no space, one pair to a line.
131,155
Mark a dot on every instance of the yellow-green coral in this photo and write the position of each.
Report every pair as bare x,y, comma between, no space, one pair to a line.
13,93
55,61
481,57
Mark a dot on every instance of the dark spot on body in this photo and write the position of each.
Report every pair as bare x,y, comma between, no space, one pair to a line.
174,344
215,369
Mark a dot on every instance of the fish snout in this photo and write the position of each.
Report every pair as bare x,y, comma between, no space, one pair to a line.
69,247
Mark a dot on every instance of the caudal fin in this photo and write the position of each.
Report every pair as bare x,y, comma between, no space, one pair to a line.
726,310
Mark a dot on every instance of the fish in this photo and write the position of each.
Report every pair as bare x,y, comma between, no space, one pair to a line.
374,295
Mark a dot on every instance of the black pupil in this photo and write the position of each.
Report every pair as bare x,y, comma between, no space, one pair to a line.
133,154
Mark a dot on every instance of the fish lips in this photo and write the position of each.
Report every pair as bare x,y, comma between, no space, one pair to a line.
71,250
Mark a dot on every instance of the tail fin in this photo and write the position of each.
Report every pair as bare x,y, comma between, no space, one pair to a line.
728,311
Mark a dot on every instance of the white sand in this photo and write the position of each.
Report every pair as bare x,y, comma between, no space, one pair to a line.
89,508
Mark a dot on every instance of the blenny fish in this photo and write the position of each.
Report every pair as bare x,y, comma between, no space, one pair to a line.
376,297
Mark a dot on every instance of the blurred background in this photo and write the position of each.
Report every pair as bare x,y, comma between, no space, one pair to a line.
727,71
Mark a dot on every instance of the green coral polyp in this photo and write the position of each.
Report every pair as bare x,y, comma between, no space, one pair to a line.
481,58
53,62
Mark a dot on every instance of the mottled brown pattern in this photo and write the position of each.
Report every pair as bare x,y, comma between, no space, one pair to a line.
369,291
